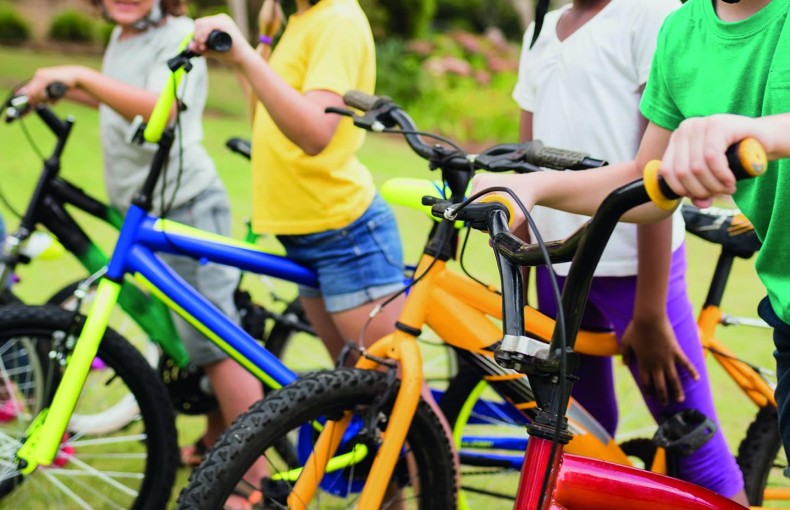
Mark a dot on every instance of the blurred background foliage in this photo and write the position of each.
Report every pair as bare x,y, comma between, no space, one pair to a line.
451,63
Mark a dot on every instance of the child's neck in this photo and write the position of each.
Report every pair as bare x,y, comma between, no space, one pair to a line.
740,11
584,5
581,12
128,31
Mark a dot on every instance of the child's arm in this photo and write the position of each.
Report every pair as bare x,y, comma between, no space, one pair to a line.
650,337
89,86
581,192
301,118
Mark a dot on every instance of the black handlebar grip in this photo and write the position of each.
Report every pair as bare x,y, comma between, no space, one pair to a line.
239,146
746,158
362,101
429,200
219,41
558,159
56,90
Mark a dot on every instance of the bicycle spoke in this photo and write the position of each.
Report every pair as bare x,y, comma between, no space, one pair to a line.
68,492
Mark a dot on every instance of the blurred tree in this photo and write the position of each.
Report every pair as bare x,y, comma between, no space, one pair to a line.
238,11
409,18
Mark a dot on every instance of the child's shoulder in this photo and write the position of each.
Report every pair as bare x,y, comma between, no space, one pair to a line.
173,33
180,25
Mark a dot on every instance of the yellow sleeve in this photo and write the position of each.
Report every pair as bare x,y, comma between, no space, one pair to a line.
339,52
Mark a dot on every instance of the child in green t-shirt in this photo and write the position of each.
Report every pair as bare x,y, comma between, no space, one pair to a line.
720,73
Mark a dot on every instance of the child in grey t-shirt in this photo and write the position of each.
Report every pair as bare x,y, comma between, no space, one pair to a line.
134,71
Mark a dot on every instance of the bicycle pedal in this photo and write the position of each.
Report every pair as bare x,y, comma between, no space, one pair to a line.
685,432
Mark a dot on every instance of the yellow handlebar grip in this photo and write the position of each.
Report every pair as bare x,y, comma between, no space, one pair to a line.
653,189
504,201
747,158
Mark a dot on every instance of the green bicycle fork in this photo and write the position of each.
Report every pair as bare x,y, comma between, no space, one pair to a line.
46,431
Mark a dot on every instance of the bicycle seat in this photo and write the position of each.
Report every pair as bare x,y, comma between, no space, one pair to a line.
726,227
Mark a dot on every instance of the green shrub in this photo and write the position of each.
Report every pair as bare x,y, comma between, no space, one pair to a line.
104,29
477,15
14,28
72,26
462,109
458,84
400,75
409,18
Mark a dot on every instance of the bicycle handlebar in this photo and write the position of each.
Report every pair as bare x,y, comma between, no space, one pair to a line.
18,105
747,158
381,112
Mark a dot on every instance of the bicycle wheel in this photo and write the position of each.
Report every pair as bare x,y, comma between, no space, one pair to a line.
291,414
130,468
762,459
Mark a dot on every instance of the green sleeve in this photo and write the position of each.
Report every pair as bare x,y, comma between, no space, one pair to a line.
657,104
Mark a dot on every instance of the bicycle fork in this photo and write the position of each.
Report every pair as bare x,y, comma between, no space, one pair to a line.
45,433
398,425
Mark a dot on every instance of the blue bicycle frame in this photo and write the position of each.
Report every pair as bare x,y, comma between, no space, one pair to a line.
140,237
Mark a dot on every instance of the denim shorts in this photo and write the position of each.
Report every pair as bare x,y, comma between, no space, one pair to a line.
356,264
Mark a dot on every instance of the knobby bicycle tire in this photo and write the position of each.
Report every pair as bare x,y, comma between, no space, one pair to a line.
305,402
132,468
759,452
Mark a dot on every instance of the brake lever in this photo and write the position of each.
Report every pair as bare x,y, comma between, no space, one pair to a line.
368,122
16,107
340,111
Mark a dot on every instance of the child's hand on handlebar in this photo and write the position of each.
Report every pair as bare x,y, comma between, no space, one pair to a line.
36,88
694,163
513,181
223,23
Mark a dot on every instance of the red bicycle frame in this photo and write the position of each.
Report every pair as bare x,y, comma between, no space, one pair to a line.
559,481
584,483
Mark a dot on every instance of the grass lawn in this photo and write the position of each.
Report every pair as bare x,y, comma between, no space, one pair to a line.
387,157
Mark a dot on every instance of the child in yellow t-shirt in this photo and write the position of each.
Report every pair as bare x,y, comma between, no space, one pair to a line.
309,188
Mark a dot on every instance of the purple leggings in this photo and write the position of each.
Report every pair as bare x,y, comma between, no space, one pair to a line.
611,307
